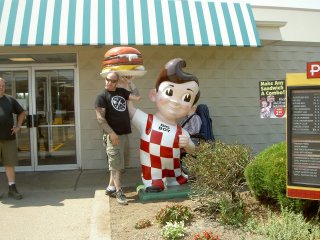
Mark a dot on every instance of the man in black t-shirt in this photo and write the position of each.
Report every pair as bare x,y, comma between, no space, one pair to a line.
113,117
8,146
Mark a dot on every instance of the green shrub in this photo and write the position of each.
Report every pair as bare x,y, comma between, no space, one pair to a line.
288,226
173,231
266,177
174,213
231,212
272,162
218,169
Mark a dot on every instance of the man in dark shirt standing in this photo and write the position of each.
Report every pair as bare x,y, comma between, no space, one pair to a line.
8,146
113,117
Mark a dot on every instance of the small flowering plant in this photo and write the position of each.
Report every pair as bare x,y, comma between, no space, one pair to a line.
173,231
174,213
205,235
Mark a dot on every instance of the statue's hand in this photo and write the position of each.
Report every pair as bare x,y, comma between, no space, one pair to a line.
184,141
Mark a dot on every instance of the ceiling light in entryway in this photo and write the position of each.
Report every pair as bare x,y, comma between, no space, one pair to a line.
22,59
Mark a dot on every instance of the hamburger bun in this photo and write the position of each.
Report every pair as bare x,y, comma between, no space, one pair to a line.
126,61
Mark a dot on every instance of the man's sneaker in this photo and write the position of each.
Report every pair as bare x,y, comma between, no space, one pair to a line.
111,193
13,192
121,198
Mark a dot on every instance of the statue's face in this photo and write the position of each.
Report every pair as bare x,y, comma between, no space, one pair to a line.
174,100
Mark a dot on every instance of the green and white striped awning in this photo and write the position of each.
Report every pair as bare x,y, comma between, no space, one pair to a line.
126,22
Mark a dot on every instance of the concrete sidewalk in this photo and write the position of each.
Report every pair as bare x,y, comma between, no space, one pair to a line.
59,205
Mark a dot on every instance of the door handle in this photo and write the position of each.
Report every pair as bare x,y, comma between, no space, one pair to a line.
29,121
36,120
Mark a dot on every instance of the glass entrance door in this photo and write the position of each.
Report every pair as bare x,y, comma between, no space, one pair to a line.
55,118
47,140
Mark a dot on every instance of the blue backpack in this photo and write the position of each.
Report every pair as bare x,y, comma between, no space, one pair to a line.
206,126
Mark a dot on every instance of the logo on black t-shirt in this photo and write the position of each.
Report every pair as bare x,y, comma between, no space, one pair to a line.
119,103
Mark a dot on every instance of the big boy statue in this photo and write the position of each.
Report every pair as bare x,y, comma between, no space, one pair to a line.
161,137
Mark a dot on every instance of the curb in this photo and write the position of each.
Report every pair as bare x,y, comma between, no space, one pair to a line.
100,226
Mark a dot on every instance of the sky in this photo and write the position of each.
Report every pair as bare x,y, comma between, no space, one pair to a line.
311,4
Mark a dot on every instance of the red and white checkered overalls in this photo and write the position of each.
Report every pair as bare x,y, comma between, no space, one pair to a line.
159,151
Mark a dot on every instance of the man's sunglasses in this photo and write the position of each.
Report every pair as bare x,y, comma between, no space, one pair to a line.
111,80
